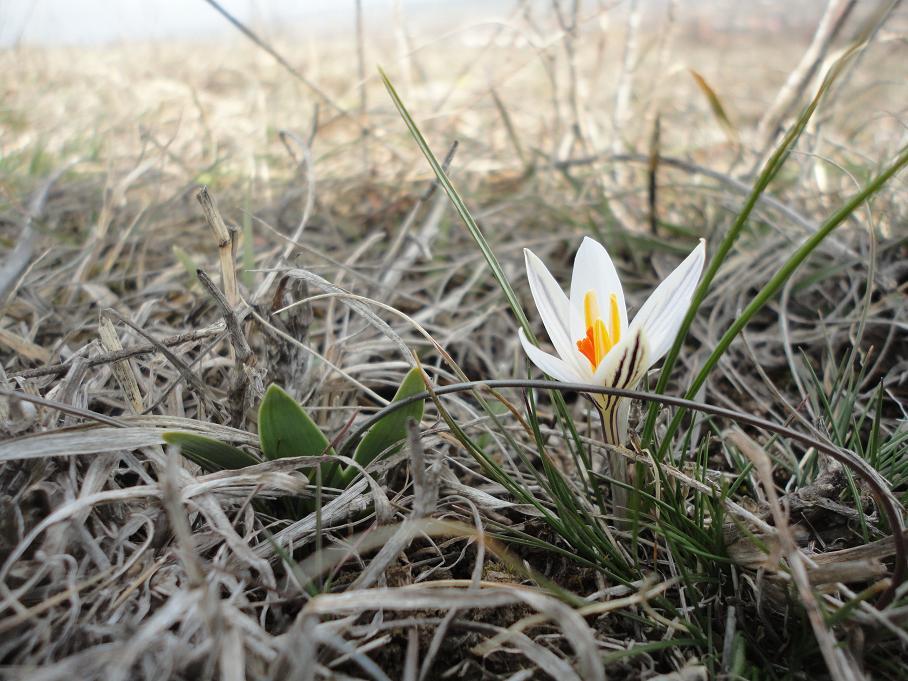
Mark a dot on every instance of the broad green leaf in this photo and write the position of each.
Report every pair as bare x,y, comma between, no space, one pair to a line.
392,429
285,428
212,455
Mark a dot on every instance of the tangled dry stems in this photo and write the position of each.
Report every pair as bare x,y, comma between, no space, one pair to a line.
121,560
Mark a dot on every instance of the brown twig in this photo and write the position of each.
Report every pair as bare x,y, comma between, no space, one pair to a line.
652,170
226,245
235,332
170,341
837,12
240,386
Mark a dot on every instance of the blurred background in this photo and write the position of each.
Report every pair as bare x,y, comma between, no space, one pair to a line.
569,116
96,22
567,113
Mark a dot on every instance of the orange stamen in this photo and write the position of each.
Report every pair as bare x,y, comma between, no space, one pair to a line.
587,347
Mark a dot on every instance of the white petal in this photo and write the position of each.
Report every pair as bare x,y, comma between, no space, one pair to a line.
623,367
551,365
554,307
594,270
661,315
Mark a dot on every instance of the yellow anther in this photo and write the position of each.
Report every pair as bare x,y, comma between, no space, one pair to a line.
590,308
615,319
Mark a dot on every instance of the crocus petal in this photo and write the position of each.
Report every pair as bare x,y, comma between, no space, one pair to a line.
593,271
623,368
553,307
551,365
661,315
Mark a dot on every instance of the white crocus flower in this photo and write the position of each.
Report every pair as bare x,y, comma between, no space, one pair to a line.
590,332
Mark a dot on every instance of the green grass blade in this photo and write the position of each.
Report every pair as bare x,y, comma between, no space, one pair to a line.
770,170
779,278
460,207
480,240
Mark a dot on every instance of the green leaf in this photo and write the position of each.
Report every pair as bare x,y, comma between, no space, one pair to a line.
212,455
392,429
285,429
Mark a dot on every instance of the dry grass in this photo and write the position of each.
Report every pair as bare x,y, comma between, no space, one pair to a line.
122,560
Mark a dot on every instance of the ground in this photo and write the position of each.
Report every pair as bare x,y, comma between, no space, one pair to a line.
763,537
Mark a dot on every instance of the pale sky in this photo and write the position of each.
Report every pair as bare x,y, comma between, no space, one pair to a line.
94,22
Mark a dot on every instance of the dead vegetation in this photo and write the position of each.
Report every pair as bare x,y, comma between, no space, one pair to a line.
327,259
